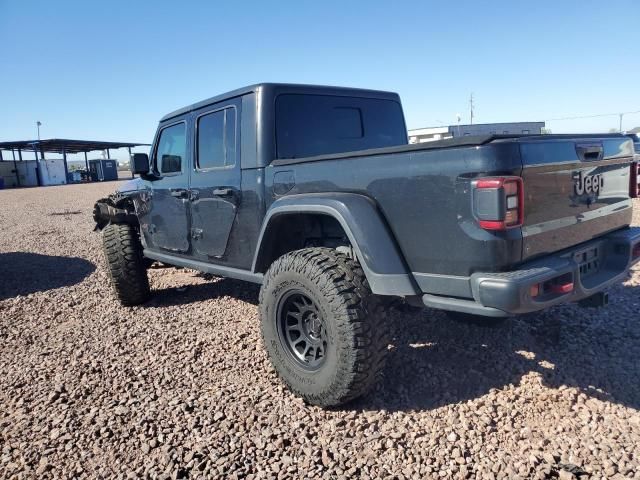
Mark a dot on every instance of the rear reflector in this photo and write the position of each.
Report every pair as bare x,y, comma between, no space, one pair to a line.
635,253
498,202
534,291
556,286
562,287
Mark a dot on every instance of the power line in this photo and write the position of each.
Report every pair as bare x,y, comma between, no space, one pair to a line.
592,116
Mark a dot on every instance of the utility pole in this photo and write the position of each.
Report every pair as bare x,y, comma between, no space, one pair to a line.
471,108
38,124
621,115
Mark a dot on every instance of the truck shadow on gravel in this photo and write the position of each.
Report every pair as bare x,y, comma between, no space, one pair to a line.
202,292
23,273
436,362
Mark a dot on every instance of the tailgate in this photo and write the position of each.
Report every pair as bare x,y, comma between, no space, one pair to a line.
576,189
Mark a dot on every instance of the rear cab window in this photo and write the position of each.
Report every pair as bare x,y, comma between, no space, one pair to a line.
309,125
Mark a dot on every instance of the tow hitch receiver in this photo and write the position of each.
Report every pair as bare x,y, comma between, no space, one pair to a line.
600,299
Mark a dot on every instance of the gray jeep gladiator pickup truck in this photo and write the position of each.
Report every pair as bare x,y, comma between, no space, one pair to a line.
314,193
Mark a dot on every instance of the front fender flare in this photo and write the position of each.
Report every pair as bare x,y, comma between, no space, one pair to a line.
364,225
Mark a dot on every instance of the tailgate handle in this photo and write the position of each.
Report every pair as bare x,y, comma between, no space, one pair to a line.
588,152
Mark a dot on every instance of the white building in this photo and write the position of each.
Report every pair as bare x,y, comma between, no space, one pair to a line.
421,135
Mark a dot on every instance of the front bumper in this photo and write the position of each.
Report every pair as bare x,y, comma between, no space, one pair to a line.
509,293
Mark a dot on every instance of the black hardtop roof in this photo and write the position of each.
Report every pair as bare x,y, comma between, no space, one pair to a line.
292,87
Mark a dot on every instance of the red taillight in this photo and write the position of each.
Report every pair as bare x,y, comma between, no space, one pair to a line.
634,184
635,253
499,202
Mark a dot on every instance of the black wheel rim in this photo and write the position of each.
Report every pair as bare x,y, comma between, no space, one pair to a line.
302,330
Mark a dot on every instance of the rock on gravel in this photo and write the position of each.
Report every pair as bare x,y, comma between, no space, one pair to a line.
181,386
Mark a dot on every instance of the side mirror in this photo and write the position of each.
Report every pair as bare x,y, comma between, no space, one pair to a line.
140,163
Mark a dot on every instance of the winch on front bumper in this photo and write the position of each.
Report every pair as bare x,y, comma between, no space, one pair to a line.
568,276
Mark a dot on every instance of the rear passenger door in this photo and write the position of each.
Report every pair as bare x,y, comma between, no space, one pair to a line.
215,179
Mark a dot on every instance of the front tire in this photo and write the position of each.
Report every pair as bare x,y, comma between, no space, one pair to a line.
322,327
125,264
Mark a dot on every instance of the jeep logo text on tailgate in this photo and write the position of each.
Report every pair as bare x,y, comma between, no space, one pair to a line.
589,183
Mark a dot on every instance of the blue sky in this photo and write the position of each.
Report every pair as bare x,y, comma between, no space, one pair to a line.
109,70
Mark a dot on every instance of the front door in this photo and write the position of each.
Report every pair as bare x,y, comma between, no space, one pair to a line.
215,180
165,224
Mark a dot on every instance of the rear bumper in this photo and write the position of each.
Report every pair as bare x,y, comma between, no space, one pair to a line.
509,293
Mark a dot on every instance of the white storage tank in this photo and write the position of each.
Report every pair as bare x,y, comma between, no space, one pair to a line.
51,171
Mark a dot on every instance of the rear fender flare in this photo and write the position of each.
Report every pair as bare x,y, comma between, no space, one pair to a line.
364,225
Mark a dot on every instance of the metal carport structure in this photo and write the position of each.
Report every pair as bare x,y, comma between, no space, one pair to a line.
60,146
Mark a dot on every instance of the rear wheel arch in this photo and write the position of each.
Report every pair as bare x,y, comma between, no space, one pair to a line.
294,230
359,221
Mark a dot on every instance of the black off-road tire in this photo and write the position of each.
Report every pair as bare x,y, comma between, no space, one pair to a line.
356,331
125,264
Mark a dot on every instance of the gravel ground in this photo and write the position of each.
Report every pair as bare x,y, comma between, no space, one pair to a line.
181,387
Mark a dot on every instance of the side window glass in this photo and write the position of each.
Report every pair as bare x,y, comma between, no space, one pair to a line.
230,136
308,125
172,148
217,139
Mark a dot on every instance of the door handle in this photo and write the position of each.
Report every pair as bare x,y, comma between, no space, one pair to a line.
223,192
178,192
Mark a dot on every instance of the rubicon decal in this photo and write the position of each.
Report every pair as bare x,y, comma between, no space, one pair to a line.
589,184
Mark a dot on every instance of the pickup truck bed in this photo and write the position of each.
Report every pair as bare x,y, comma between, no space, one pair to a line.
425,191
